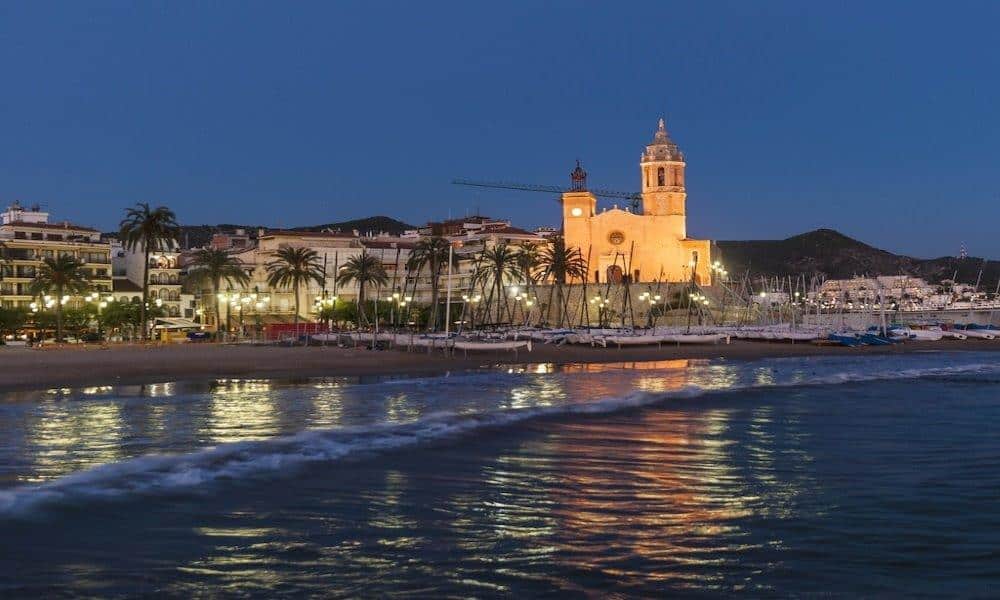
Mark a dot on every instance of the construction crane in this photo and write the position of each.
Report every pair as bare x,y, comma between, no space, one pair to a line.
579,184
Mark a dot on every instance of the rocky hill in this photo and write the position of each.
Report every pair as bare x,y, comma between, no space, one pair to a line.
831,254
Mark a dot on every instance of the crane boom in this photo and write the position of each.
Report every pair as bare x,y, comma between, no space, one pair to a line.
550,189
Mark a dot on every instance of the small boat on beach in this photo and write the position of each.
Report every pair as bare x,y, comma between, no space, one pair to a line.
872,339
491,346
849,340
931,334
982,334
696,338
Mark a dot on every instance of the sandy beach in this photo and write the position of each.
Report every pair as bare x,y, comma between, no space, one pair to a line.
24,368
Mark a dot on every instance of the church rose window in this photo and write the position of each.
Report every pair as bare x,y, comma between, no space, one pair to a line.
616,237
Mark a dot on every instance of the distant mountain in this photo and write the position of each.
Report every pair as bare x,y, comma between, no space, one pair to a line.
831,254
377,224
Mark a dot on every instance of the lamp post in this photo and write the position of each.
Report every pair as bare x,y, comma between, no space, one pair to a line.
472,301
324,303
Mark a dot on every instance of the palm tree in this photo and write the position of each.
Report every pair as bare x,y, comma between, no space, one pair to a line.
364,269
293,268
431,252
153,230
215,266
562,264
499,264
528,260
60,276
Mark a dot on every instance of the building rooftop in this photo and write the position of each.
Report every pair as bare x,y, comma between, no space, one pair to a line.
125,285
65,225
293,233
390,244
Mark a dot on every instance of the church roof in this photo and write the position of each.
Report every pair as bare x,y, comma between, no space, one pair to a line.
662,147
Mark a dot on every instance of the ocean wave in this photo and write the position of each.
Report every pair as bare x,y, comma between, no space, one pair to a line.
164,474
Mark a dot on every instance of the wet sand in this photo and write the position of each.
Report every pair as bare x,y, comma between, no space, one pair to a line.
24,368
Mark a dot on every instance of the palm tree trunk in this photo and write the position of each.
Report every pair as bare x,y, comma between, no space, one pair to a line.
59,327
145,291
559,306
362,320
216,284
432,322
501,301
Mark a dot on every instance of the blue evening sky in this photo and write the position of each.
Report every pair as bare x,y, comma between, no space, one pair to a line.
877,119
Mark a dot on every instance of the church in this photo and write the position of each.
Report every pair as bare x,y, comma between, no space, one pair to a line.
649,243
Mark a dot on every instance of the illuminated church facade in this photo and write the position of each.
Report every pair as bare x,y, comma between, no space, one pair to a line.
649,244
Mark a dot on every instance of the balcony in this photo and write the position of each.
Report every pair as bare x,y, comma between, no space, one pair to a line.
20,254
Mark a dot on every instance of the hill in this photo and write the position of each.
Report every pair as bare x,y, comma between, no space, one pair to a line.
831,254
376,224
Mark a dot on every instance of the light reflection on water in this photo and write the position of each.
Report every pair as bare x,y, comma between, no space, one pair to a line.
66,439
760,491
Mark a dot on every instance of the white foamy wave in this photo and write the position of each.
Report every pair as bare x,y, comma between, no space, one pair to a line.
163,474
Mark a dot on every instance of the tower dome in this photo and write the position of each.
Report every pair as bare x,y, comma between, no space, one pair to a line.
662,148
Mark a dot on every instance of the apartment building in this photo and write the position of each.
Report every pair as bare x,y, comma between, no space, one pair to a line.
164,275
28,238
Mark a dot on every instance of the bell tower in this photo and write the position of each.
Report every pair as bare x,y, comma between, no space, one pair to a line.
662,167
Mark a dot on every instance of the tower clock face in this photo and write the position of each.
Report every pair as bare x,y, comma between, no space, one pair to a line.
576,211
616,238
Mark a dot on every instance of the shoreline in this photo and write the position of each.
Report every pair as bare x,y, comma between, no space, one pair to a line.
23,369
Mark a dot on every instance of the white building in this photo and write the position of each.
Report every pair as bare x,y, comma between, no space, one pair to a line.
164,275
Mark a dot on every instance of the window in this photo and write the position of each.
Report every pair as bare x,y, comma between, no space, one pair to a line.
661,177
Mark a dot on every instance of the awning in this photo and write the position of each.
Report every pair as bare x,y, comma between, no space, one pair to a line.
175,323
274,319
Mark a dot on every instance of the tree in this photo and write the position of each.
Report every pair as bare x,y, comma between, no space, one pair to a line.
79,319
120,316
153,230
528,260
60,277
339,312
11,319
432,253
293,268
562,264
366,270
213,267
499,264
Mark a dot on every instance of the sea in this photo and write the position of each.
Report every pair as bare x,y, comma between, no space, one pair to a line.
838,476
